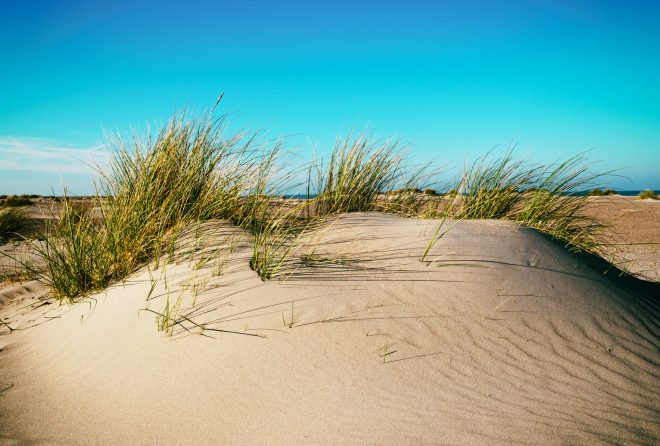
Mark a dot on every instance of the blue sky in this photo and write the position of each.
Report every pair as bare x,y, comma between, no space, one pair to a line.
453,79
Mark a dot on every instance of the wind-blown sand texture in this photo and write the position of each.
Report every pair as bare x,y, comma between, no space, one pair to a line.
501,337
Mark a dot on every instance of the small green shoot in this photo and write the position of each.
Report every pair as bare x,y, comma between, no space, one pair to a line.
386,350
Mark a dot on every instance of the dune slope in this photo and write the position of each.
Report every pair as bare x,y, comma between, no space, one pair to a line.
500,337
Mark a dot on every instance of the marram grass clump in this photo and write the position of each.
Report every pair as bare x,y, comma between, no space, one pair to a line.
648,194
490,188
190,171
13,223
538,196
359,169
16,201
365,175
553,207
602,192
154,186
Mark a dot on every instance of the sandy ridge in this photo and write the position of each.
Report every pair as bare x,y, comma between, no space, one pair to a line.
501,337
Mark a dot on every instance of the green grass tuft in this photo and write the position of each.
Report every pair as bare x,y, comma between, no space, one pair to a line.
360,172
601,193
16,201
646,194
553,207
188,172
13,223
541,197
359,169
491,188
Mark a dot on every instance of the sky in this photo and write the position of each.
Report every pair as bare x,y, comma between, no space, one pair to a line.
450,79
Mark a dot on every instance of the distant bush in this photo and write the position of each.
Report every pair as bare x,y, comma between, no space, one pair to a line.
154,187
602,193
405,190
15,201
648,193
430,192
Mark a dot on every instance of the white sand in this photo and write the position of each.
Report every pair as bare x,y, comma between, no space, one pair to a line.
504,338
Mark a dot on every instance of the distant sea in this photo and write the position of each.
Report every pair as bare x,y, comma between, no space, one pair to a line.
625,193
299,196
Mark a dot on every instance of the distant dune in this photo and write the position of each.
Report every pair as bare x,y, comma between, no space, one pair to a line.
501,337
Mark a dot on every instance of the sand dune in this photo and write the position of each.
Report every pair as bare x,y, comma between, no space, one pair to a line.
501,337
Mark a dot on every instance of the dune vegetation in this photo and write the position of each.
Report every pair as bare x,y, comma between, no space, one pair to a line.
16,200
648,194
190,171
193,170
602,192
534,195
360,171
13,223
